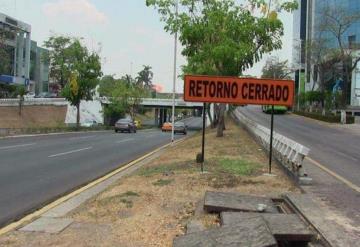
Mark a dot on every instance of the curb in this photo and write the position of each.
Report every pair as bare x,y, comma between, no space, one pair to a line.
32,216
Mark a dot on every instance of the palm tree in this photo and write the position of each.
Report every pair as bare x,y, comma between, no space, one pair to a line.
145,77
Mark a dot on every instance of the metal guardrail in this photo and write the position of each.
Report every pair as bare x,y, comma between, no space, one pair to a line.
288,152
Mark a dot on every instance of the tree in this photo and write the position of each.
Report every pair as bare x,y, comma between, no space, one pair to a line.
145,77
274,68
335,22
59,57
21,92
222,37
4,53
85,70
124,95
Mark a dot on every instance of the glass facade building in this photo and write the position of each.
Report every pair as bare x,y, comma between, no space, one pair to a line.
308,25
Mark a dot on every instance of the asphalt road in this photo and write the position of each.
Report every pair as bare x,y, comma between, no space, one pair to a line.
335,148
37,170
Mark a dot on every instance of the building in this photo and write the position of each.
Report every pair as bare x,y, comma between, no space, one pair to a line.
26,64
307,21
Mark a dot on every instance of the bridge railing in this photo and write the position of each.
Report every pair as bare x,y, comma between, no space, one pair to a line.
288,152
34,101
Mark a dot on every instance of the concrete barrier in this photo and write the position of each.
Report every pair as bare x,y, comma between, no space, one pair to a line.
289,153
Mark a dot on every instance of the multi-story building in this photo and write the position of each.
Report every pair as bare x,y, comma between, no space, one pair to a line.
27,65
307,26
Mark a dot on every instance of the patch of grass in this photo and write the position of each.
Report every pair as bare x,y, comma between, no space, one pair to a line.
163,182
238,167
129,193
128,203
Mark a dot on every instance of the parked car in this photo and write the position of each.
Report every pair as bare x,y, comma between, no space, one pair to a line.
89,123
180,127
125,124
167,126
30,95
138,124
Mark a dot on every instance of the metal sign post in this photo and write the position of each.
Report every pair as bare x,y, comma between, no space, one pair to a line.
203,138
271,137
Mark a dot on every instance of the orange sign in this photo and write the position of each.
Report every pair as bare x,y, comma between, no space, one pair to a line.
233,90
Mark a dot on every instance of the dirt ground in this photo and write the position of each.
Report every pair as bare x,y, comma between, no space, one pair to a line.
32,116
154,205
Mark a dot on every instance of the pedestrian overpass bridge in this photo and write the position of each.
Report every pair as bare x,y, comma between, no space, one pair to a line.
161,103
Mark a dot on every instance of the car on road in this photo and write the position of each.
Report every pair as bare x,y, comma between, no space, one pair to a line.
125,124
89,123
167,126
180,127
277,109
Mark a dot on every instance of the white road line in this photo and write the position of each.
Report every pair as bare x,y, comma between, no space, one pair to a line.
82,137
70,152
17,146
125,140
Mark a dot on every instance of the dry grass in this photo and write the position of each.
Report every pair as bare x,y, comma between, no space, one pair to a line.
152,206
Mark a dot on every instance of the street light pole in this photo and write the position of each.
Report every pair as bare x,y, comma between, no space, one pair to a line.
174,75
299,82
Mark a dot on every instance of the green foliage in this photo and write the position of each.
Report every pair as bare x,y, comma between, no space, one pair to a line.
238,167
4,54
59,57
274,68
330,118
87,67
220,37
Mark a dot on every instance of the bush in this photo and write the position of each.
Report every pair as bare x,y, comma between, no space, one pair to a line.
330,118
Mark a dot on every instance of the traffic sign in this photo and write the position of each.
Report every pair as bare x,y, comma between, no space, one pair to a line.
234,90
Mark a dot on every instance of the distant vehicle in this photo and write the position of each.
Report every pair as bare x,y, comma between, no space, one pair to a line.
125,124
180,127
46,95
167,126
29,95
138,124
277,109
89,123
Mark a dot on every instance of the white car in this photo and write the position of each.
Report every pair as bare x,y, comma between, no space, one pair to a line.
89,123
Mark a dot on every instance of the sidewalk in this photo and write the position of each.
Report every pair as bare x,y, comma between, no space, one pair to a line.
339,202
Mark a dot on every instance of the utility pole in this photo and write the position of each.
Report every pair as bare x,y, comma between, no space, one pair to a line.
174,75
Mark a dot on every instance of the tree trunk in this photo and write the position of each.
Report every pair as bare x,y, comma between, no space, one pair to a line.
78,115
221,121
209,115
20,105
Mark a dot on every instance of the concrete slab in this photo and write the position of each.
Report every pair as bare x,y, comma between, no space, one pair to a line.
217,202
194,226
251,232
47,225
284,227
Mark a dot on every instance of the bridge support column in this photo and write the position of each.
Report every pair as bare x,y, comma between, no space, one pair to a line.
156,117
165,116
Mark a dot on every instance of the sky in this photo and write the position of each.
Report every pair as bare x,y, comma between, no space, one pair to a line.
127,34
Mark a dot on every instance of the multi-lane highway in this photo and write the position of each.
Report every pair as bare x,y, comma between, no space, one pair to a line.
35,170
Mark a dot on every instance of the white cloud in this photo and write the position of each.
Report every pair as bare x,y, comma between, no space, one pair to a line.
76,10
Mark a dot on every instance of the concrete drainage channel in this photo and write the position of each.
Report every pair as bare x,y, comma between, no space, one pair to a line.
288,153
253,221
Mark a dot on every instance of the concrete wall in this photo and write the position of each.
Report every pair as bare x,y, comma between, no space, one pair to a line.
32,116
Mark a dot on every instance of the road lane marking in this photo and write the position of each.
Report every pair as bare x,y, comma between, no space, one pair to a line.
41,211
342,179
17,146
82,137
70,152
125,140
